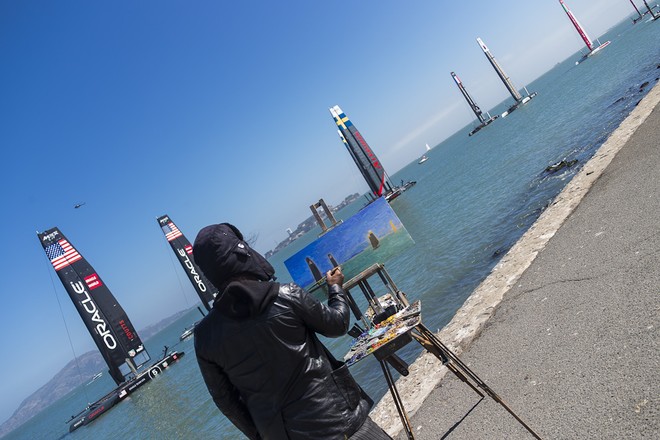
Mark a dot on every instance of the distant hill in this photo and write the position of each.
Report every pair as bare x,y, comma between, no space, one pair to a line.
59,386
150,330
70,377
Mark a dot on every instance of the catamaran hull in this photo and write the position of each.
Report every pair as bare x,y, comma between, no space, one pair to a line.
95,410
593,52
482,125
108,401
400,189
525,100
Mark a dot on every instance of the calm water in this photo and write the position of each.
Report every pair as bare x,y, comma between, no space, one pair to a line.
474,198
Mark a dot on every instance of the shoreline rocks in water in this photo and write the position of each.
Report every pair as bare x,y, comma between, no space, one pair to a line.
559,165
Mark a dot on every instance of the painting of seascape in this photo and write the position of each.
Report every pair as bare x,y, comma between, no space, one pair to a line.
372,235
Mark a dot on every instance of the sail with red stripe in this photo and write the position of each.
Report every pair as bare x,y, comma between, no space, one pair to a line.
578,26
366,160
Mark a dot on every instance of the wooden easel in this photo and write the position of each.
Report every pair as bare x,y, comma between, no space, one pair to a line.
376,316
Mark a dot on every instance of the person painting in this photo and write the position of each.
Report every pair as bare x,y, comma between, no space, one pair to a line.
259,353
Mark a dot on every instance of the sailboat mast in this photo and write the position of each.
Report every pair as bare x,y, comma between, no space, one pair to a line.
505,79
577,25
650,10
636,9
473,105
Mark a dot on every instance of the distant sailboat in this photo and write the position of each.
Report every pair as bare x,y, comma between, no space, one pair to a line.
370,167
583,34
96,376
188,332
107,323
424,157
483,121
506,80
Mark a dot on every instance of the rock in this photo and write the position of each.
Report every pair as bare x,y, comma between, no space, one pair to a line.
559,165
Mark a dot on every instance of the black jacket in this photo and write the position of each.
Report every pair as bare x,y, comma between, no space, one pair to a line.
265,368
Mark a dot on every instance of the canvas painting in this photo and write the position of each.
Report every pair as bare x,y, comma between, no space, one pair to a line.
372,235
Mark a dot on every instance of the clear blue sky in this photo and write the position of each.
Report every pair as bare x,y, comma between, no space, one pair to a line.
214,111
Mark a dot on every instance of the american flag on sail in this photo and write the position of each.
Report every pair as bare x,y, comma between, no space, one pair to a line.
62,254
171,231
93,281
188,249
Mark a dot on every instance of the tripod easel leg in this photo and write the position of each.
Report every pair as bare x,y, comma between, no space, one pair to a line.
430,346
431,342
397,400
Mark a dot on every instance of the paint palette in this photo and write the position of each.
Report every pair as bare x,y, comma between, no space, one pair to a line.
387,337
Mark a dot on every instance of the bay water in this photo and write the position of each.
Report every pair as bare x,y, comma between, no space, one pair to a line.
474,198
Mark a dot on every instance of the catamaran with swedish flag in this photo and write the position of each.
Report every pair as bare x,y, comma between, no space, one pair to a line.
366,160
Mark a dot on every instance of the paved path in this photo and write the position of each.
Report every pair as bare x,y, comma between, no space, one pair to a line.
571,344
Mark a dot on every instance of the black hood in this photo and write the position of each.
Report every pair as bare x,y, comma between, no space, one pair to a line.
222,254
246,298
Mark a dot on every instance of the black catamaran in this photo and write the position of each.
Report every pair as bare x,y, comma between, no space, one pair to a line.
483,121
366,160
107,323
183,251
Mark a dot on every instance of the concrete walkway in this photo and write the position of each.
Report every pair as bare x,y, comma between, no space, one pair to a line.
565,329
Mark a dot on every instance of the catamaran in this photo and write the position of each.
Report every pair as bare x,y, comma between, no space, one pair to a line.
370,167
107,323
593,49
483,121
520,100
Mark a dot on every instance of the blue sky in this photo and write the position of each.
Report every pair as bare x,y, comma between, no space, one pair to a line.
214,111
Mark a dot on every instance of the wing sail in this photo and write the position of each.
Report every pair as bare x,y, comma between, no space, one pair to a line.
104,318
183,251
366,160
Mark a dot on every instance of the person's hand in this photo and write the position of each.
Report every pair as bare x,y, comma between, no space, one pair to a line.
335,276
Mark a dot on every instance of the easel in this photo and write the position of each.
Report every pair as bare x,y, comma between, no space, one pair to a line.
393,311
